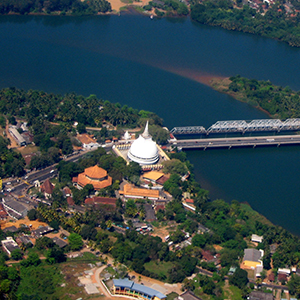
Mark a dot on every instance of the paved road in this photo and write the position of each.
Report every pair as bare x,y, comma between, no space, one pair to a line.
238,142
19,186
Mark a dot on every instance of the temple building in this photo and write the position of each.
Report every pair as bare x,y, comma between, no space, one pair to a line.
93,175
144,150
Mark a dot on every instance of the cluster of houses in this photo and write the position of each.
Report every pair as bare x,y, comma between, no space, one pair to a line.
21,239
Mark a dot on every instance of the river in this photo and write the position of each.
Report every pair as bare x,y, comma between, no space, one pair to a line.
159,65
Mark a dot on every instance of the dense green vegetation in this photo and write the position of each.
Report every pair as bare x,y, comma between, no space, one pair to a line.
58,6
11,162
168,7
275,23
280,102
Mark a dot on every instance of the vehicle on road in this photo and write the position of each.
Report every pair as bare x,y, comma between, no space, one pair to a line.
52,171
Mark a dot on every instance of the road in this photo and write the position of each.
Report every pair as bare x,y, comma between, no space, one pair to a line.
19,185
238,142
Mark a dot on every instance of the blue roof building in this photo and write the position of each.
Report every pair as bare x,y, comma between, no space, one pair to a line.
127,287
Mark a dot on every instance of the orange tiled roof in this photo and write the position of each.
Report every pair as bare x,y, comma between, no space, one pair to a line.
133,191
153,175
85,138
95,172
83,180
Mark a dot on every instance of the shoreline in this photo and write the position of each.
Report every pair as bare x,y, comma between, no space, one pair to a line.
220,83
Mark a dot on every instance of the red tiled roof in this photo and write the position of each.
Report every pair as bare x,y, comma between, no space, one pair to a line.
47,187
67,190
191,201
271,277
207,255
70,201
101,200
282,277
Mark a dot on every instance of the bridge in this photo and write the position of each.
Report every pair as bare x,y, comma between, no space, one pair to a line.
237,142
241,126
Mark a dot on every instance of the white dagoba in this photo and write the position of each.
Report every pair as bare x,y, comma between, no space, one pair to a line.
144,150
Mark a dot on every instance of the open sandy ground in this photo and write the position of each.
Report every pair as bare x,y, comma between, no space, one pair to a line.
117,4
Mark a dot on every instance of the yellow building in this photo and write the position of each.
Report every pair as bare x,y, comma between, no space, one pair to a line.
253,260
126,287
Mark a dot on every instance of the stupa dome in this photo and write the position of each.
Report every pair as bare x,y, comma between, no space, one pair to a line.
144,150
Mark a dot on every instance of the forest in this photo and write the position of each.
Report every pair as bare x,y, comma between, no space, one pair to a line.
280,102
275,23
74,7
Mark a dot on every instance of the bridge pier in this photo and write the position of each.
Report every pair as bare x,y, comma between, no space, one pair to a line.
229,147
254,145
278,145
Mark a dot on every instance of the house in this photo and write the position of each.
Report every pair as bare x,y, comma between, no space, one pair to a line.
70,201
256,238
253,260
17,136
59,242
133,192
188,295
101,200
10,229
188,204
67,192
47,188
207,256
282,277
14,209
41,231
9,245
95,176
87,142
23,239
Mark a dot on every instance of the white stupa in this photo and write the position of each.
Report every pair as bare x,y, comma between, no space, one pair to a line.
144,150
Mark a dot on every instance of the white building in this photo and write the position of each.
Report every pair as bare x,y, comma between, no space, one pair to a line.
144,150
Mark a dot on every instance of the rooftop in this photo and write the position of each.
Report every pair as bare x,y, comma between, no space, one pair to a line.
85,138
138,287
130,190
252,255
153,175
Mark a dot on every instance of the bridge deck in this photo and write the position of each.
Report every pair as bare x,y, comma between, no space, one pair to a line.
241,126
238,142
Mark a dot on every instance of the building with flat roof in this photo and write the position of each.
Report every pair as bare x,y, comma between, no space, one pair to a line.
134,192
9,245
14,209
17,136
126,287
95,176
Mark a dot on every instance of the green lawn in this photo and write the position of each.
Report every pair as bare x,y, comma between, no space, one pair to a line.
159,267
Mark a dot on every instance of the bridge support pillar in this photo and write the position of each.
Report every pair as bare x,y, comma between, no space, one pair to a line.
254,145
229,147
278,145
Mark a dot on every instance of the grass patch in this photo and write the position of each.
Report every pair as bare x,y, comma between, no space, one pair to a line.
160,268
233,293
172,296
28,149
254,215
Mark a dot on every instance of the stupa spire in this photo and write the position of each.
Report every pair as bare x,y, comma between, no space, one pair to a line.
146,134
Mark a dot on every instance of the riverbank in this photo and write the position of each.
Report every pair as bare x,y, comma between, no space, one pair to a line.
263,95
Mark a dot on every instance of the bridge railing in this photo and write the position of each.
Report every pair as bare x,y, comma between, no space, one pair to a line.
241,126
